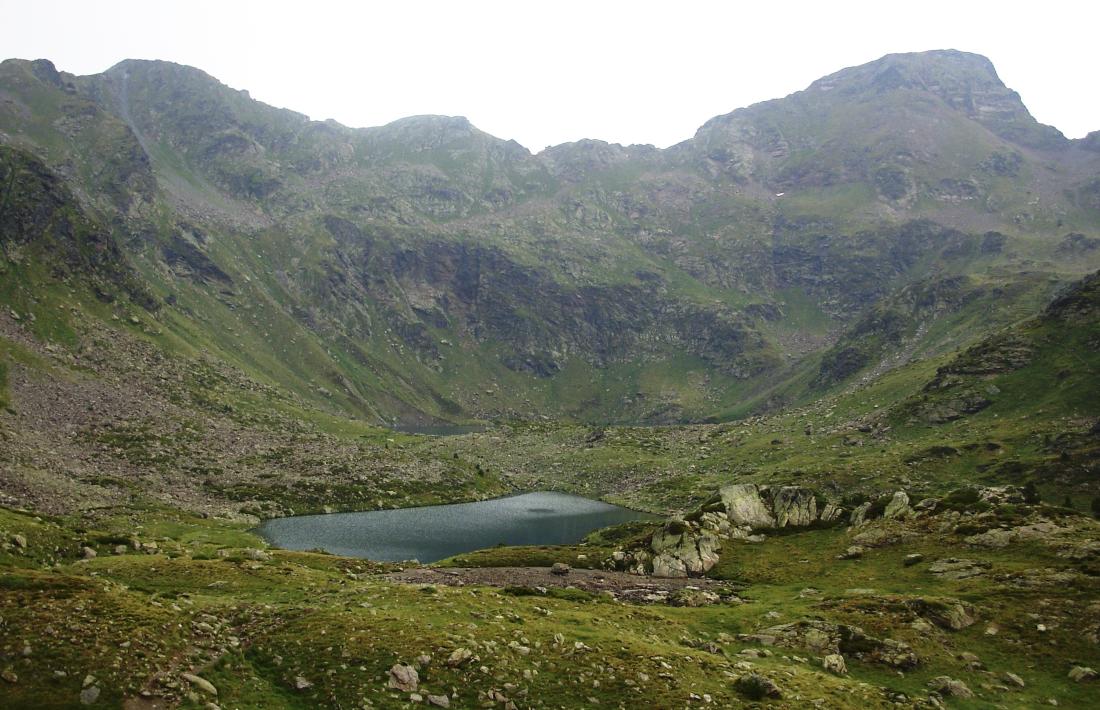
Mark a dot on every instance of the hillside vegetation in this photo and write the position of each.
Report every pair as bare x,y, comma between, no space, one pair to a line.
844,344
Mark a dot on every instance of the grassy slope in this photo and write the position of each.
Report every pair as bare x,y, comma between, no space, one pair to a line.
254,626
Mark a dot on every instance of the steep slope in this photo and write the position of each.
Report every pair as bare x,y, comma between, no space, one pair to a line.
426,270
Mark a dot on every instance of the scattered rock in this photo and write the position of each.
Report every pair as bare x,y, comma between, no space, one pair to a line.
19,541
994,539
950,687
200,683
842,639
956,568
459,657
973,662
559,568
9,675
1080,674
440,701
1014,679
87,553
404,678
691,597
834,663
757,687
946,613
854,552
912,559
301,683
89,695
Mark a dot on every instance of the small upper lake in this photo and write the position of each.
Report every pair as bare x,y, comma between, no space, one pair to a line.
431,533
439,429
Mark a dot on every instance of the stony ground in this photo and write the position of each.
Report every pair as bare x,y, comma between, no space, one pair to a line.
973,609
541,580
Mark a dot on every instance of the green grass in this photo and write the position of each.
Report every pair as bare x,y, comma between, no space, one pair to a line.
337,624
4,396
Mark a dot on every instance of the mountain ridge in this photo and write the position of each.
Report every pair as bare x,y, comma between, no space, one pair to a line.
380,245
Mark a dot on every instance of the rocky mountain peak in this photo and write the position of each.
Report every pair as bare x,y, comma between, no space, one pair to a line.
966,82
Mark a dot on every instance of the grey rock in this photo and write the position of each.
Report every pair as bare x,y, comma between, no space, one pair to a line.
757,687
559,568
859,514
831,512
957,568
744,506
404,678
1080,674
794,506
828,638
459,657
945,685
834,663
995,538
89,695
440,701
854,552
681,549
200,683
898,507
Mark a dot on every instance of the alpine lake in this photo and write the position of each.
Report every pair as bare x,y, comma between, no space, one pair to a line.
431,533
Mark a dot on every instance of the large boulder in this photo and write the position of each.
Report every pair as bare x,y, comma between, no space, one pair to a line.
794,506
404,678
761,507
745,506
681,549
898,507
859,514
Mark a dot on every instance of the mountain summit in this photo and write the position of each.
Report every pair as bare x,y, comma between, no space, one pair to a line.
426,271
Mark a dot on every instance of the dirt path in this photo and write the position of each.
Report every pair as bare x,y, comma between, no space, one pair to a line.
627,587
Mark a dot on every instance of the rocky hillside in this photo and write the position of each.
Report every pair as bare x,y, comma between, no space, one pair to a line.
426,271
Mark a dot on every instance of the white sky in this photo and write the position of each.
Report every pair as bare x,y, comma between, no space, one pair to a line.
549,72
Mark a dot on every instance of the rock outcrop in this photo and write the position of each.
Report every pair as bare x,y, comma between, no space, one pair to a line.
680,550
836,639
691,546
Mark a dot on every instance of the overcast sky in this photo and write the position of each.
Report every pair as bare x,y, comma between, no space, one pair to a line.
550,72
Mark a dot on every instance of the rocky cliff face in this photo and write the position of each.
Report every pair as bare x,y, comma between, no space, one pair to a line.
743,511
430,270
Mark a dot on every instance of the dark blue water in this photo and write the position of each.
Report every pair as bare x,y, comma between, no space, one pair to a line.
434,532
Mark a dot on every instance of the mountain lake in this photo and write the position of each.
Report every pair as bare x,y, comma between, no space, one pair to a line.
431,533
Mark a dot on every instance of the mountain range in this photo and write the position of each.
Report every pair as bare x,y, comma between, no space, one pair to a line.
840,351
426,272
